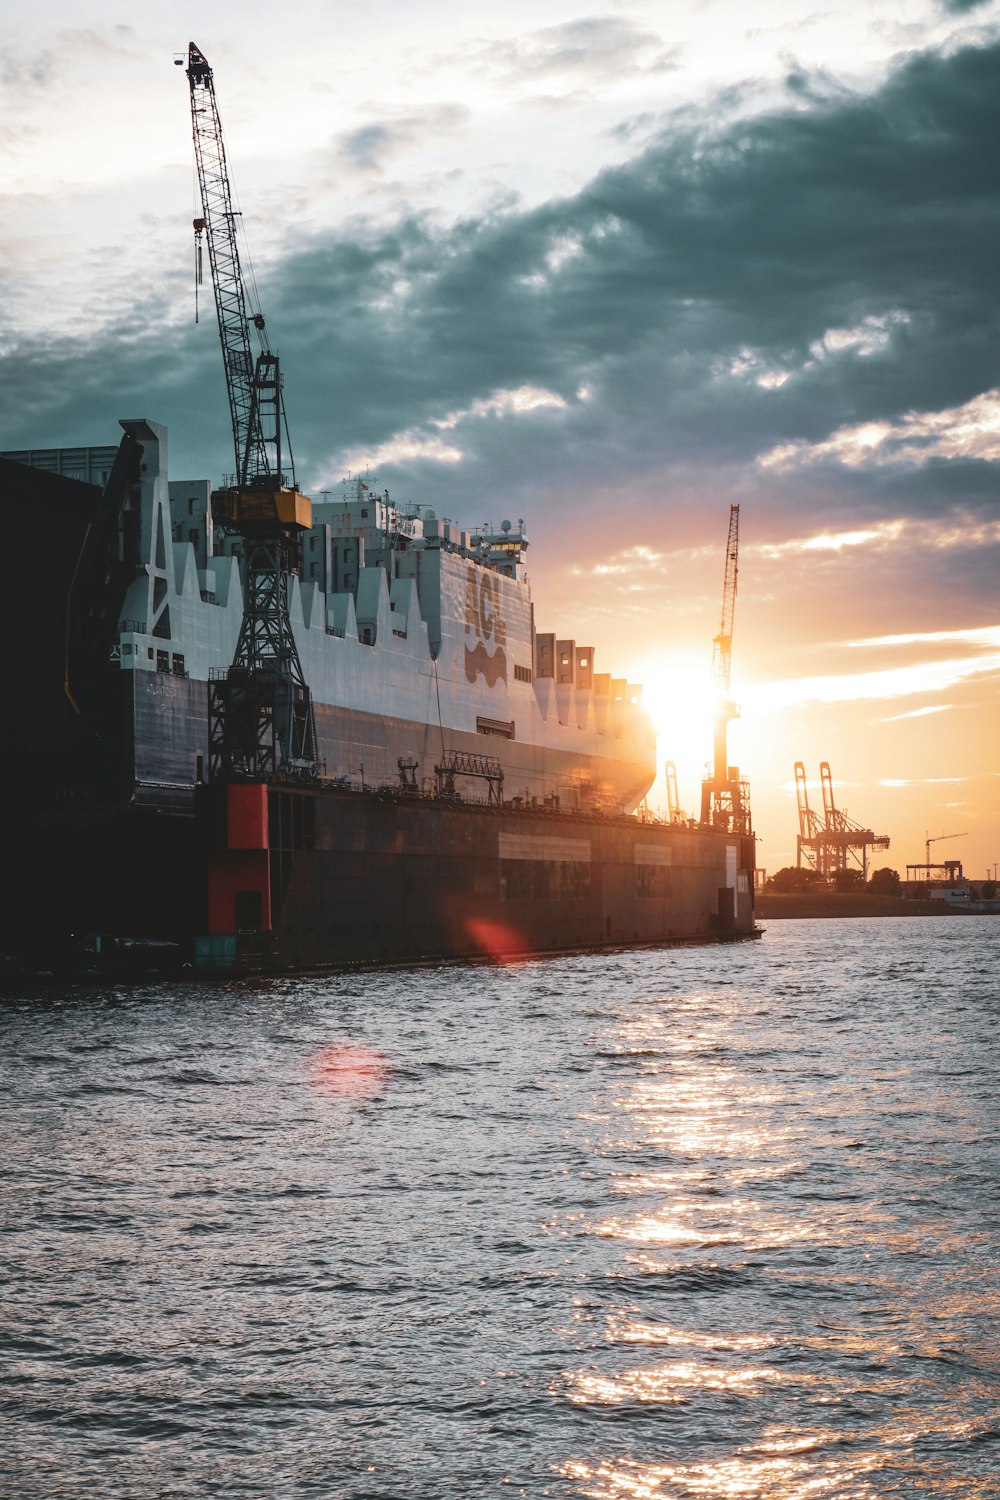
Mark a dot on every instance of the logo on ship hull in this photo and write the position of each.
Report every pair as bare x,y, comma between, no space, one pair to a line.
484,624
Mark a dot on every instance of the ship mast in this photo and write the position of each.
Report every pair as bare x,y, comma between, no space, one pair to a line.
261,718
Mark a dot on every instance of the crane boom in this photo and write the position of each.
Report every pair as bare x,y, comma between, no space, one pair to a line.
724,797
253,385
722,653
939,838
261,716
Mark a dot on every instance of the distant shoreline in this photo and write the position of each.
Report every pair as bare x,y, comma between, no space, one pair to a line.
771,906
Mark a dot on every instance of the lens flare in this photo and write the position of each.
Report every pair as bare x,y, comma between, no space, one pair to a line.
495,940
352,1070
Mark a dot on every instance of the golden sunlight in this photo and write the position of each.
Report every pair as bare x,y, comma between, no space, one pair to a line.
678,694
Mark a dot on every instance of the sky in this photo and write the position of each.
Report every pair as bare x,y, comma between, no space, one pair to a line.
612,268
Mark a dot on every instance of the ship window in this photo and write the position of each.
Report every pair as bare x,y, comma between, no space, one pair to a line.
364,515
522,674
163,661
179,665
502,727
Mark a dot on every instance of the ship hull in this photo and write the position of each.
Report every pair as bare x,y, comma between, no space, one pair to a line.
304,879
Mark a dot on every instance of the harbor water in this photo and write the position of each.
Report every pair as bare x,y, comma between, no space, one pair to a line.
704,1222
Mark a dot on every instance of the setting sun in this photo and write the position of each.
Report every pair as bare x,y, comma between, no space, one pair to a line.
678,693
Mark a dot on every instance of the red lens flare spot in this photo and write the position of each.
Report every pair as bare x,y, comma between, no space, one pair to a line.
349,1069
496,940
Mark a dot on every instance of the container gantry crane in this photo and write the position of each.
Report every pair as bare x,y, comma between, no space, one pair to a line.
725,799
261,717
827,845
810,823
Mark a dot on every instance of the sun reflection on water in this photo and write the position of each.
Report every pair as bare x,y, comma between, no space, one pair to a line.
686,1226
667,1383
770,1310
738,1478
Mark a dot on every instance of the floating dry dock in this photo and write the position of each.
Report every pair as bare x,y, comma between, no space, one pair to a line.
477,780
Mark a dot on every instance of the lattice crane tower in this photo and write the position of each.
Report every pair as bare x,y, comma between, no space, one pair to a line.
261,718
725,799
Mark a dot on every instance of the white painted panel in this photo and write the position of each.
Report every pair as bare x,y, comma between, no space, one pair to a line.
530,846
653,854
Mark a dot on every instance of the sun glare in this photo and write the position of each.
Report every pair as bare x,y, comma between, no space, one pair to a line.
677,691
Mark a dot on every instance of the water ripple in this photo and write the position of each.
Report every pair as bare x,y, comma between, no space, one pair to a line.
706,1223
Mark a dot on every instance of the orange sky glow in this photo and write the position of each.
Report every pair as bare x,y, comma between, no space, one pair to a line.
908,721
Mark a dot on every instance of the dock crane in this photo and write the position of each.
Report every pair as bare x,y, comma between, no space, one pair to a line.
937,840
674,811
828,844
725,799
810,823
261,717
844,839
950,869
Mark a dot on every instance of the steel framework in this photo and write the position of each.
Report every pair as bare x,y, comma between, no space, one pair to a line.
253,385
461,763
725,798
261,716
828,844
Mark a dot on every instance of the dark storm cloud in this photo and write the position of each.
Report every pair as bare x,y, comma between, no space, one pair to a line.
843,244
713,250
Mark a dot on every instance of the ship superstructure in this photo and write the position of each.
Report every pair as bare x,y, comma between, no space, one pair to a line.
416,637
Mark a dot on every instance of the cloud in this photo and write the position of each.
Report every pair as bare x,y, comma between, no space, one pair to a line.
650,284
526,398
413,444
816,279
889,682
371,147
915,713
987,636
590,46
971,431
884,535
